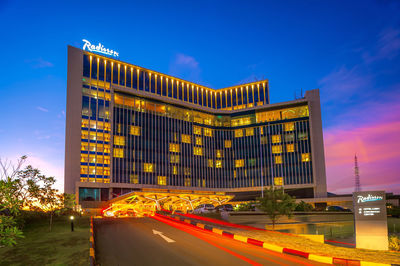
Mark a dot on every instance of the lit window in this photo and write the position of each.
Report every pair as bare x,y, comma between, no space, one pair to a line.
186,171
249,132
210,163
238,133
174,170
135,130
262,130
174,158
197,130
186,139
218,164
83,179
118,153
276,138
107,171
84,170
228,144
148,167
106,180
204,182
85,134
84,146
119,128
199,141
173,147
302,136
289,126
162,180
278,159
207,132
119,140
239,163
234,173
277,149
278,181
289,147
219,154
84,158
305,157
134,179
85,123
187,182
197,151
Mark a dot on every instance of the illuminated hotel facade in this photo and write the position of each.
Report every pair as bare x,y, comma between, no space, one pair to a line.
129,128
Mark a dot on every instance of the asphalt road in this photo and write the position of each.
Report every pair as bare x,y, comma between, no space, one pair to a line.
146,241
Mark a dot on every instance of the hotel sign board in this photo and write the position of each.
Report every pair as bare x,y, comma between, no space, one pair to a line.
98,49
370,220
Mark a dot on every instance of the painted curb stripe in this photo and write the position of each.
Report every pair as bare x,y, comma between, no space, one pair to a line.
227,234
193,223
273,247
323,259
255,242
200,225
240,238
295,252
217,231
339,261
207,227
91,252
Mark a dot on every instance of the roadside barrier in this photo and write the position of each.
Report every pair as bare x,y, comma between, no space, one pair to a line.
91,244
313,257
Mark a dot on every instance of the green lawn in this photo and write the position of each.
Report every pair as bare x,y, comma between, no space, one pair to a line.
58,247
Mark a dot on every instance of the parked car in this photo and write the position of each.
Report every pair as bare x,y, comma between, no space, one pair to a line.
225,207
204,208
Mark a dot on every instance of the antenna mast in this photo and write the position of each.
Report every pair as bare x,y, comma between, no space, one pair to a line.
356,175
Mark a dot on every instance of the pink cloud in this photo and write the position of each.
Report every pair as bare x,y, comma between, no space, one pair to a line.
377,147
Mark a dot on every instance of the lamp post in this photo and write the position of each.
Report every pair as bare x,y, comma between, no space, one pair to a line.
72,223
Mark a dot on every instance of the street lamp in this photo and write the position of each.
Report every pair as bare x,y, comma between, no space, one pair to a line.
72,223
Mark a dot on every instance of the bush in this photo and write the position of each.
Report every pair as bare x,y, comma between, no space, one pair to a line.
303,207
248,206
394,243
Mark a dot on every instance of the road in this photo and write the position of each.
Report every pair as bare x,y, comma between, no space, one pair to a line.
147,241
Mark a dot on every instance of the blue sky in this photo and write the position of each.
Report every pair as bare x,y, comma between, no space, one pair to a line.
350,50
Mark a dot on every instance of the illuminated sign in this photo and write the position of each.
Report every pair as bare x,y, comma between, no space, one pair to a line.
98,48
368,198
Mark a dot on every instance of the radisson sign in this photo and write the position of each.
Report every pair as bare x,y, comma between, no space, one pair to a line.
98,49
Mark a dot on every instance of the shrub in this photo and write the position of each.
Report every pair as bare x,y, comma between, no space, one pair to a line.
394,242
303,207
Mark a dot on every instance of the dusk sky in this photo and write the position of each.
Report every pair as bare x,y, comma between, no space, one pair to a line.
350,50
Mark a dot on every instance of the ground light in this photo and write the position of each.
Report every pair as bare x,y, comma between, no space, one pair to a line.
72,223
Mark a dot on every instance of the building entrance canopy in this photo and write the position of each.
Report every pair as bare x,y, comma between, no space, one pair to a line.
147,201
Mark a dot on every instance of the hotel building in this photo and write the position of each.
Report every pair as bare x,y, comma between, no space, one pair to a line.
131,128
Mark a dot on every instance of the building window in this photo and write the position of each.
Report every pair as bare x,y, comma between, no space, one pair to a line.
228,144
302,136
289,137
186,171
219,153
134,179
148,167
210,163
174,158
119,140
218,164
252,162
186,139
249,132
289,126
262,130
264,140
278,159
278,181
289,147
187,182
207,132
84,170
196,130
197,151
199,141
276,138
305,157
277,149
238,133
174,170
162,180
118,153
135,130
234,173
119,128
239,163
173,147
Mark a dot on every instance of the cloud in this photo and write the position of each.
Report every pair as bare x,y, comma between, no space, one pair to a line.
387,47
377,147
39,63
185,67
42,109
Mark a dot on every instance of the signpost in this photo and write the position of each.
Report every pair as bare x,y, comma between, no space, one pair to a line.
370,220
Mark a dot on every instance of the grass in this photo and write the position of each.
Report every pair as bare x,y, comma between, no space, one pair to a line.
58,247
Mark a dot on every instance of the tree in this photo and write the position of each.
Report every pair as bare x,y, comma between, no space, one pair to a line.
303,207
276,203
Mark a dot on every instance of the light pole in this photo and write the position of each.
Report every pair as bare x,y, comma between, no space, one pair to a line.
72,223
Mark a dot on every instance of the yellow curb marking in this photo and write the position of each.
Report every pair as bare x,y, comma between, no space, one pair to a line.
200,225
273,247
91,252
322,259
218,231
240,238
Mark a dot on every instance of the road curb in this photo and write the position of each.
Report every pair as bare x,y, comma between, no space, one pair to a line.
92,261
272,247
